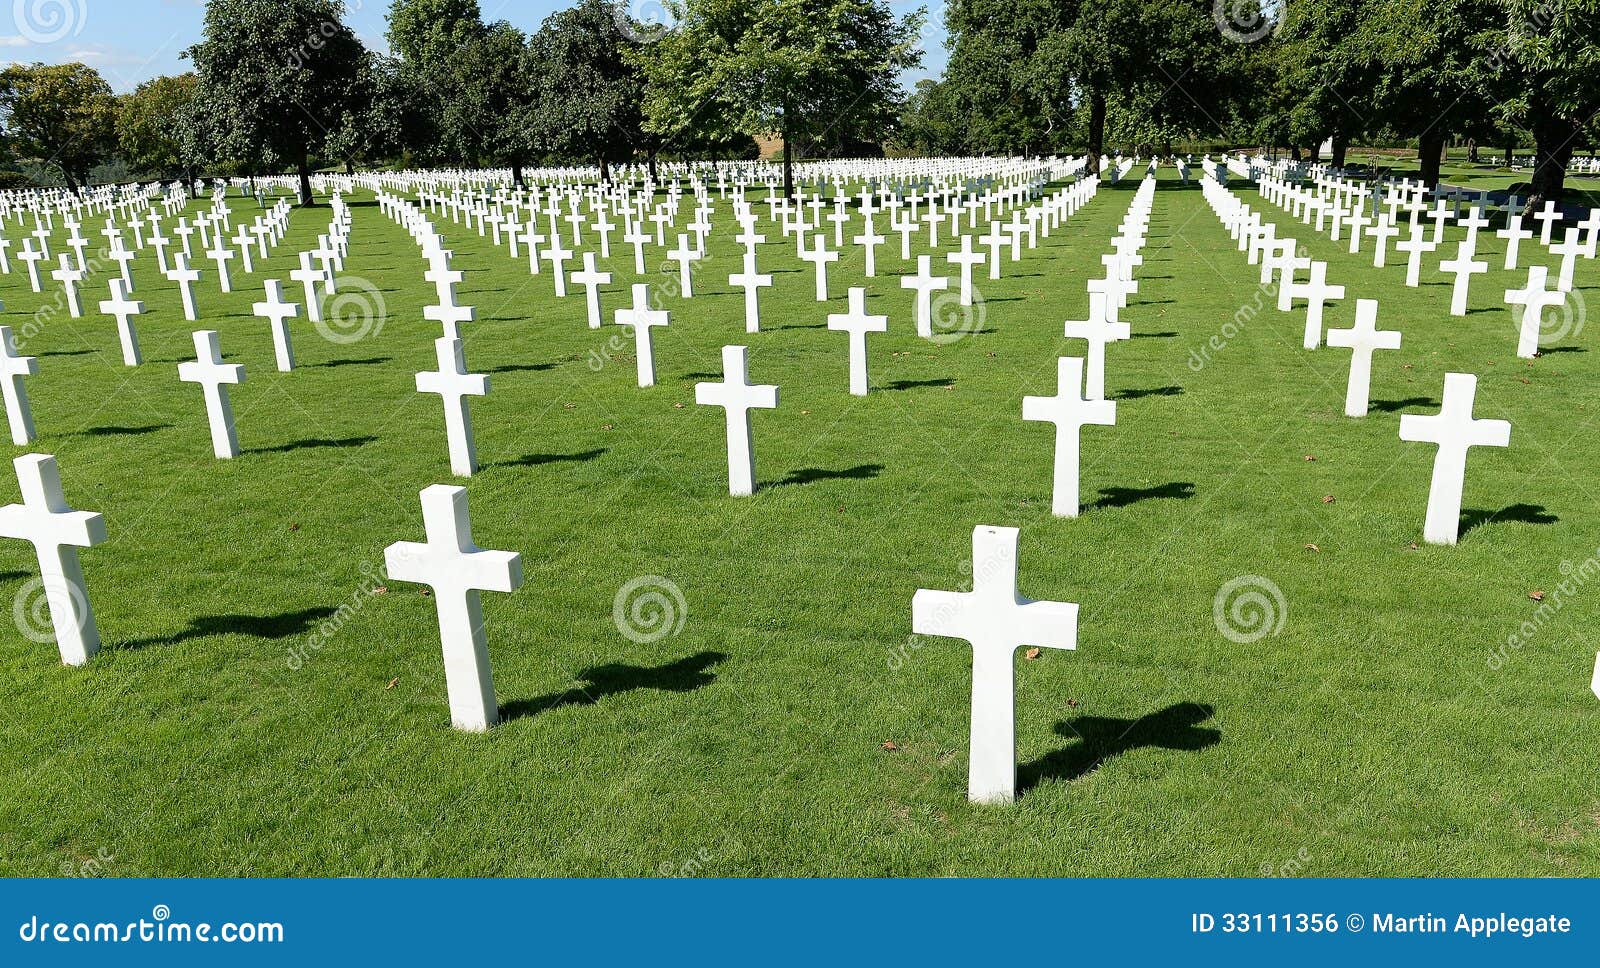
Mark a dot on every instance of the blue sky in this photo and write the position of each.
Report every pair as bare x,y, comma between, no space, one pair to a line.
130,41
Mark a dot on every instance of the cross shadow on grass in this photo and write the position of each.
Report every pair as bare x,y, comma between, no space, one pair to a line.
1515,514
294,445
1121,497
122,431
917,384
1546,351
366,361
1099,738
811,475
522,368
1390,406
685,675
1169,334
256,626
538,460
1170,391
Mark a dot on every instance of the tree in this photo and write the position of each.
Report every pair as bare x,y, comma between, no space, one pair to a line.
471,87
277,78
588,88
157,130
807,70
61,114
1550,56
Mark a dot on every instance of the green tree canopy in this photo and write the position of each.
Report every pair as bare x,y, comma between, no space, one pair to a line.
62,115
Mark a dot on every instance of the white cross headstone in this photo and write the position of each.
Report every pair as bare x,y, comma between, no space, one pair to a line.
1097,331
1463,267
1069,410
1362,339
213,375
13,367
819,256
1455,431
124,309
185,277
858,323
925,284
454,384
643,319
738,396
1534,300
278,313
458,570
752,282
57,532
997,621
591,279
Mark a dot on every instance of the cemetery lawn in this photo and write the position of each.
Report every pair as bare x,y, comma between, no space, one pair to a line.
792,726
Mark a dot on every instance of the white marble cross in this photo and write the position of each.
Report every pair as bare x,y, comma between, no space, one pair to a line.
557,255
1534,300
31,258
454,384
925,284
57,532
1414,247
738,396
13,367
1315,292
458,570
1069,410
1455,431
752,282
1515,235
278,313
819,256
1463,267
1362,339
591,279
213,375
997,621
966,259
685,256
185,277
69,276
1097,331
221,254
643,319
1548,217
124,309
858,323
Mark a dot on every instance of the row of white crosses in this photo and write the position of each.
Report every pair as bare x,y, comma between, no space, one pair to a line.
992,616
1529,303
1454,429
458,570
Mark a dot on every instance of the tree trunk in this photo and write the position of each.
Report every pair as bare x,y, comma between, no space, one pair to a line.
1553,139
1511,153
605,171
1097,130
652,159
516,173
1430,153
1341,147
788,165
304,168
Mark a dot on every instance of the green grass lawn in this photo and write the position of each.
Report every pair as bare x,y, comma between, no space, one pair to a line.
1377,733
